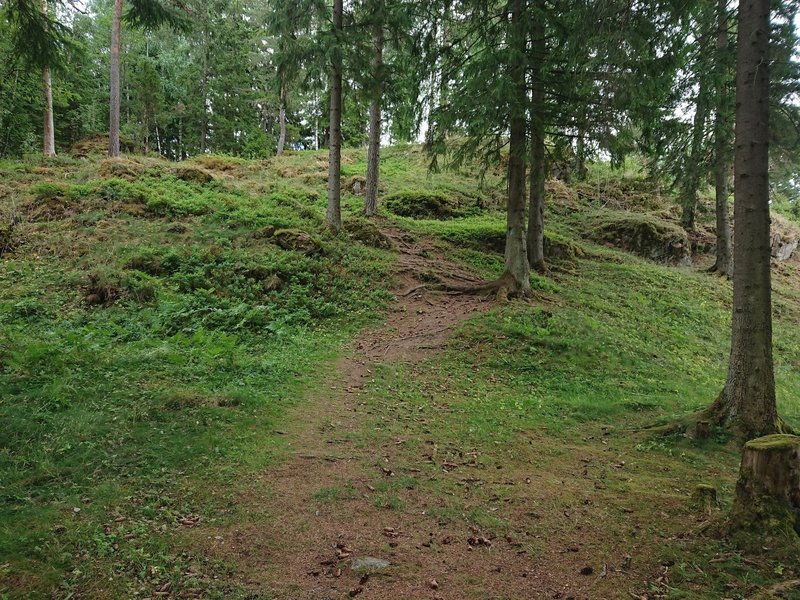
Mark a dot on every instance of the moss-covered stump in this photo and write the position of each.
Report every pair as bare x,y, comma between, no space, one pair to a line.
368,234
297,240
767,501
704,497
194,175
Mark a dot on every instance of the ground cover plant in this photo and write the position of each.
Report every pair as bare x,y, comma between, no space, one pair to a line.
168,348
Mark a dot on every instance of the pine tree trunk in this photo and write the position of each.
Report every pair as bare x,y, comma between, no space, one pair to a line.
724,264
747,403
580,156
374,147
204,111
537,170
517,271
447,34
49,128
692,176
333,216
113,121
204,87
282,117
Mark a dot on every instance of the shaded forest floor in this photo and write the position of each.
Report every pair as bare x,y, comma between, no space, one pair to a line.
198,406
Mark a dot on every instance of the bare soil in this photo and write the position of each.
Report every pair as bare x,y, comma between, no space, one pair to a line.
298,543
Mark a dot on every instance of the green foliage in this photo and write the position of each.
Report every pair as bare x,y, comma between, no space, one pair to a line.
143,351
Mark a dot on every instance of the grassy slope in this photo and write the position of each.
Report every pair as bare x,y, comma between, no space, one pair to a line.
122,422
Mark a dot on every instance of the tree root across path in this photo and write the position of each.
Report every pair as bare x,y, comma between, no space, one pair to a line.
501,287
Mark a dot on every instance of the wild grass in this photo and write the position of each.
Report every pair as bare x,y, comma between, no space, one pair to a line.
152,338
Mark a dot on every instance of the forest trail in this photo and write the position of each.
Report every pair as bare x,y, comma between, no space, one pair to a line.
330,504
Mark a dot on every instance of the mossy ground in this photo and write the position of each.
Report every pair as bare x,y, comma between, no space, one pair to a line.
125,419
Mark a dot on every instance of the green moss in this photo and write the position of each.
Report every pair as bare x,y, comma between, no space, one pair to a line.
645,234
774,442
422,205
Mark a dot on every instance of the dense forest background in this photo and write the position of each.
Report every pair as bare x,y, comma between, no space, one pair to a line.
221,76
399,298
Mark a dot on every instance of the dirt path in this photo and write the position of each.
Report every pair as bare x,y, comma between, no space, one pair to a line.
316,513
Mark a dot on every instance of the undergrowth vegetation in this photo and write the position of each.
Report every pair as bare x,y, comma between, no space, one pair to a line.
153,333
158,321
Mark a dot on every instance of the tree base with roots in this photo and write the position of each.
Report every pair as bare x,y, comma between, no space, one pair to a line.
503,288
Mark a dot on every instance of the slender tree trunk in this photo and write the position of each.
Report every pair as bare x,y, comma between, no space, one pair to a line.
693,171
333,217
724,264
747,403
204,113
13,97
537,169
49,141
49,128
517,273
282,116
204,86
580,155
113,121
374,147
447,34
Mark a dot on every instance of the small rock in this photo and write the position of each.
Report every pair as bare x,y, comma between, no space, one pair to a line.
434,584
369,564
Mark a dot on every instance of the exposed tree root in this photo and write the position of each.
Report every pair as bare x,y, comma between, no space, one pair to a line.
701,423
504,287
717,271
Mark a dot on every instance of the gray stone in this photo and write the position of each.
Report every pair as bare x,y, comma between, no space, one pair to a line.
369,564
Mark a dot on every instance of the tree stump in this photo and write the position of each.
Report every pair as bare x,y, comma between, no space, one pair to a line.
702,431
704,497
767,498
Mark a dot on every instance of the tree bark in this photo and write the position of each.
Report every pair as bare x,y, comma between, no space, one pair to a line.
49,128
580,156
747,403
113,121
374,147
49,141
517,268
724,263
693,171
282,116
537,171
333,216
447,34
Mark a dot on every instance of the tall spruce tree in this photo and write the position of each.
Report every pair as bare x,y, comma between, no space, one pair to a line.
376,93
144,13
722,142
747,403
333,216
41,39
